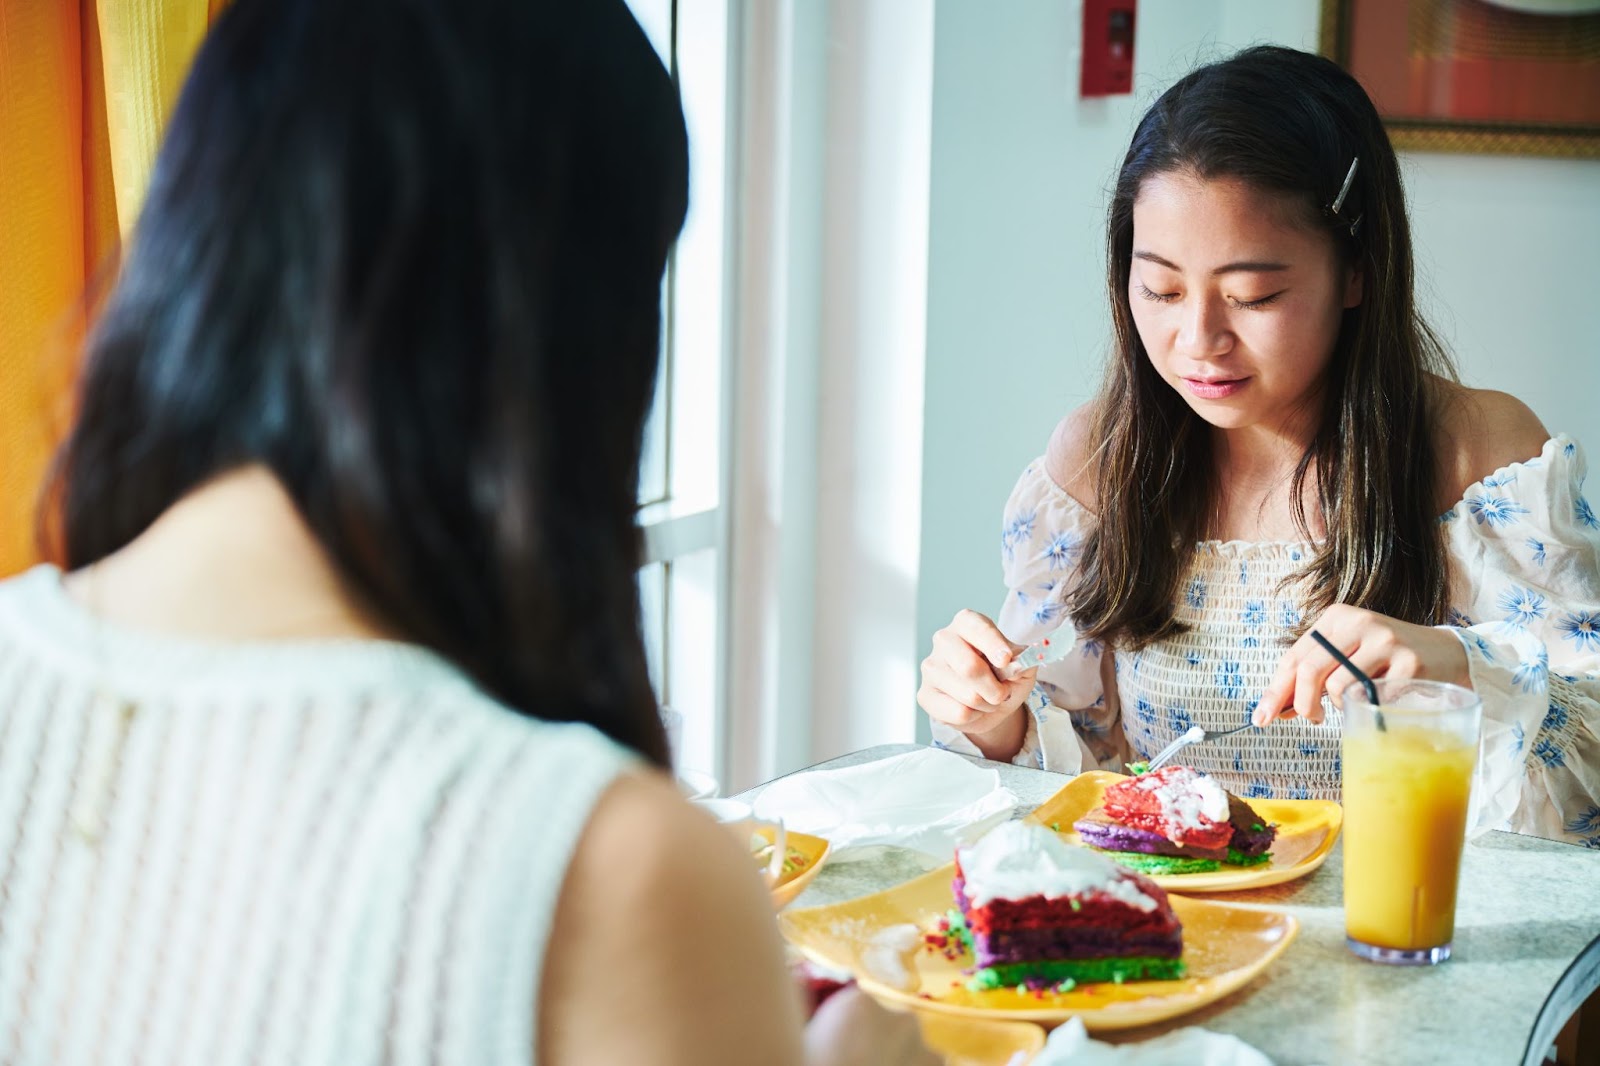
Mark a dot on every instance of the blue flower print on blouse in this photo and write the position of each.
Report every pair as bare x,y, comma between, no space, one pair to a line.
1196,595
1591,842
1016,531
1461,619
1046,611
1238,761
1477,644
1587,822
1259,789
1193,658
1230,680
1495,481
1309,748
1537,547
1145,711
1547,752
1533,675
1519,738
1495,510
1088,724
1061,550
1288,615
1522,606
1244,573
1582,628
1555,718
1180,719
1299,792
1254,614
1585,513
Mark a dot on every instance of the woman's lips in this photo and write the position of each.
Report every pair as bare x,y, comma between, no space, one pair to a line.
1215,390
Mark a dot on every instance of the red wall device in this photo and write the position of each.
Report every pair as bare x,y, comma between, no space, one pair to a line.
1107,47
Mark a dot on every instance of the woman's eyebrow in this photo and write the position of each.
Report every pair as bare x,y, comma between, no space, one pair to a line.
1253,266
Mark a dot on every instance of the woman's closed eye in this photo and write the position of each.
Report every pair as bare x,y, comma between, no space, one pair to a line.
1256,304
1158,297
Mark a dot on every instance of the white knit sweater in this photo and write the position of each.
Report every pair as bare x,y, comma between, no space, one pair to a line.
319,853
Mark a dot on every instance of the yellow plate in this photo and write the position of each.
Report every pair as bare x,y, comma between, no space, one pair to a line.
1224,946
814,850
1306,832
969,1042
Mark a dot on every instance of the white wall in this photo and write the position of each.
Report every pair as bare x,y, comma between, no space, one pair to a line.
1506,264
1017,320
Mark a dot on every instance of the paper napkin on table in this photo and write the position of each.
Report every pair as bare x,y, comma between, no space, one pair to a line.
928,800
1070,1045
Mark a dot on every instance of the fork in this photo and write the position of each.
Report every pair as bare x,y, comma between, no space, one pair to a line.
1194,735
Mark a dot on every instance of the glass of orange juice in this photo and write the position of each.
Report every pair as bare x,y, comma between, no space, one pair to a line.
1407,775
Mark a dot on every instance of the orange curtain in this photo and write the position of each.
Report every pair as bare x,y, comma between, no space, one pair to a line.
85,89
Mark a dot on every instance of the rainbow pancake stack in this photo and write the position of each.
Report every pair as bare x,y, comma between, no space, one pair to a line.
1037,913
1176,821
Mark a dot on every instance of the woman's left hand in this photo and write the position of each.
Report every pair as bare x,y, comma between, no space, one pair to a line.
1379,645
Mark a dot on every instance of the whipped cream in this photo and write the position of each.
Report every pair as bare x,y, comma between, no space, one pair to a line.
1017,860
889,956
1187,797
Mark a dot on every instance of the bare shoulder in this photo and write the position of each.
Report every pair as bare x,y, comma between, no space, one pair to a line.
1478,432
1070,458
663,911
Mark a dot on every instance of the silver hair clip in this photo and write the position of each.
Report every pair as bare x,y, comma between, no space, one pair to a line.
1344,190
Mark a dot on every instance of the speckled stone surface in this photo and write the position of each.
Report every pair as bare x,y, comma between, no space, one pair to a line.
1527,932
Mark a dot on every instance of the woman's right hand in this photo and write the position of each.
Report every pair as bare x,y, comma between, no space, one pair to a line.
962,686
851,1029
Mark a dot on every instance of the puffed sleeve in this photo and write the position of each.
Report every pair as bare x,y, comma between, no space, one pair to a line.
1072,726
1524,548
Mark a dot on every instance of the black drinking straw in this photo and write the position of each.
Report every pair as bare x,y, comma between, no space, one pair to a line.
1355,671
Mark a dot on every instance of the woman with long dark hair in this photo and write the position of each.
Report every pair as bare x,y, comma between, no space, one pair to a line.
1280,441
334,742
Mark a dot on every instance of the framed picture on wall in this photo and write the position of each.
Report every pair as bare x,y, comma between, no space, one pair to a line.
1505,76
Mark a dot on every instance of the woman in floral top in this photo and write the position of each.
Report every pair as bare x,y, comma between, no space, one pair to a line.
1280,441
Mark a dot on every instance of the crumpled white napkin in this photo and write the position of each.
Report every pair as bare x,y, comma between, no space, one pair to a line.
1070,1045
927,800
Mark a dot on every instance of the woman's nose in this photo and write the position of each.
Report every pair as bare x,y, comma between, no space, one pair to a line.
1203,332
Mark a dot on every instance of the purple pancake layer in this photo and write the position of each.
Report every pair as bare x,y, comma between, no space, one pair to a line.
1113,836
1027,945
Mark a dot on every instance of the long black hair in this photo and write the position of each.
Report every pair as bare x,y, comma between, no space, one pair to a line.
407,255
1288,124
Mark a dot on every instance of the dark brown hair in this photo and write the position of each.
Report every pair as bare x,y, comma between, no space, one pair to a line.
1287,123
407,254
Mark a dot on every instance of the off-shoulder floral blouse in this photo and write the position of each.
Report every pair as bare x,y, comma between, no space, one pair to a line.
1524,556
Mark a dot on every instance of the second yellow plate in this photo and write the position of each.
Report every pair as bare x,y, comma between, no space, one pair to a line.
1224,946
968,1042
1306,832
810,851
